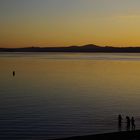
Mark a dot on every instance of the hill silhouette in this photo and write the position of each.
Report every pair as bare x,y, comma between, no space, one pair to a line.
85,48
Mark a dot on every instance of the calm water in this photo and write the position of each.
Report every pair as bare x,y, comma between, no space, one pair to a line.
61,95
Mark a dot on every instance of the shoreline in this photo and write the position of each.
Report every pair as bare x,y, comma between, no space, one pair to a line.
123,135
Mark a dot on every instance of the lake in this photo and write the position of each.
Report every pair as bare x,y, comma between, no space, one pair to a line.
55,95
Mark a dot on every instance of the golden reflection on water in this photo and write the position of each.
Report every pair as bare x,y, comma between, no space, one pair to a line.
71,89
91,73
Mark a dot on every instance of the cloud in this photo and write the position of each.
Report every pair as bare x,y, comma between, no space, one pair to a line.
129,16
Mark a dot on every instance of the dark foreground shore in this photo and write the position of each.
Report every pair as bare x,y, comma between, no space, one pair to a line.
129,135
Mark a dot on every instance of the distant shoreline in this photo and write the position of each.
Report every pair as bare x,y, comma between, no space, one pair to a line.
124,135
76,49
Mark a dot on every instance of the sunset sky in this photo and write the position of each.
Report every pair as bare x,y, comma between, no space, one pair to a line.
25,23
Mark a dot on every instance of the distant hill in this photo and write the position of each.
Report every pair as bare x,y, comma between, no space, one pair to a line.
85,48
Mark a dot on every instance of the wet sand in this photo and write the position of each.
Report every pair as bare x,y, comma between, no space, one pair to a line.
125,135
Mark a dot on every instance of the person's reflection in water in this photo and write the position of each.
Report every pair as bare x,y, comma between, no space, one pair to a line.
119,122
128,123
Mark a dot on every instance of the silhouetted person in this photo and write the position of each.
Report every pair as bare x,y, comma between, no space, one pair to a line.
119,122
13,73
133,123
128,123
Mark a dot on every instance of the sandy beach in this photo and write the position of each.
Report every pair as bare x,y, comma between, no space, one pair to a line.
125,135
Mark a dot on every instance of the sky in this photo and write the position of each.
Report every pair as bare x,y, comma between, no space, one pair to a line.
25,23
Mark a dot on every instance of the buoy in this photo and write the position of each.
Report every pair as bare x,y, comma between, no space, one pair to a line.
13,73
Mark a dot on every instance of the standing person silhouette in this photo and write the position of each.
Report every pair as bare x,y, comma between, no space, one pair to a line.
120,122
133,123
128,123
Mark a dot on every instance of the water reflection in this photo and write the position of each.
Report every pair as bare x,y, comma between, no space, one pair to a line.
55,97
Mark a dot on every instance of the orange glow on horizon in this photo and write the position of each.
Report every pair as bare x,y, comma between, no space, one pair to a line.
45,23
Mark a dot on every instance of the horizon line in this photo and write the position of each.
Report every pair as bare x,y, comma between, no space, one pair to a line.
36,46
